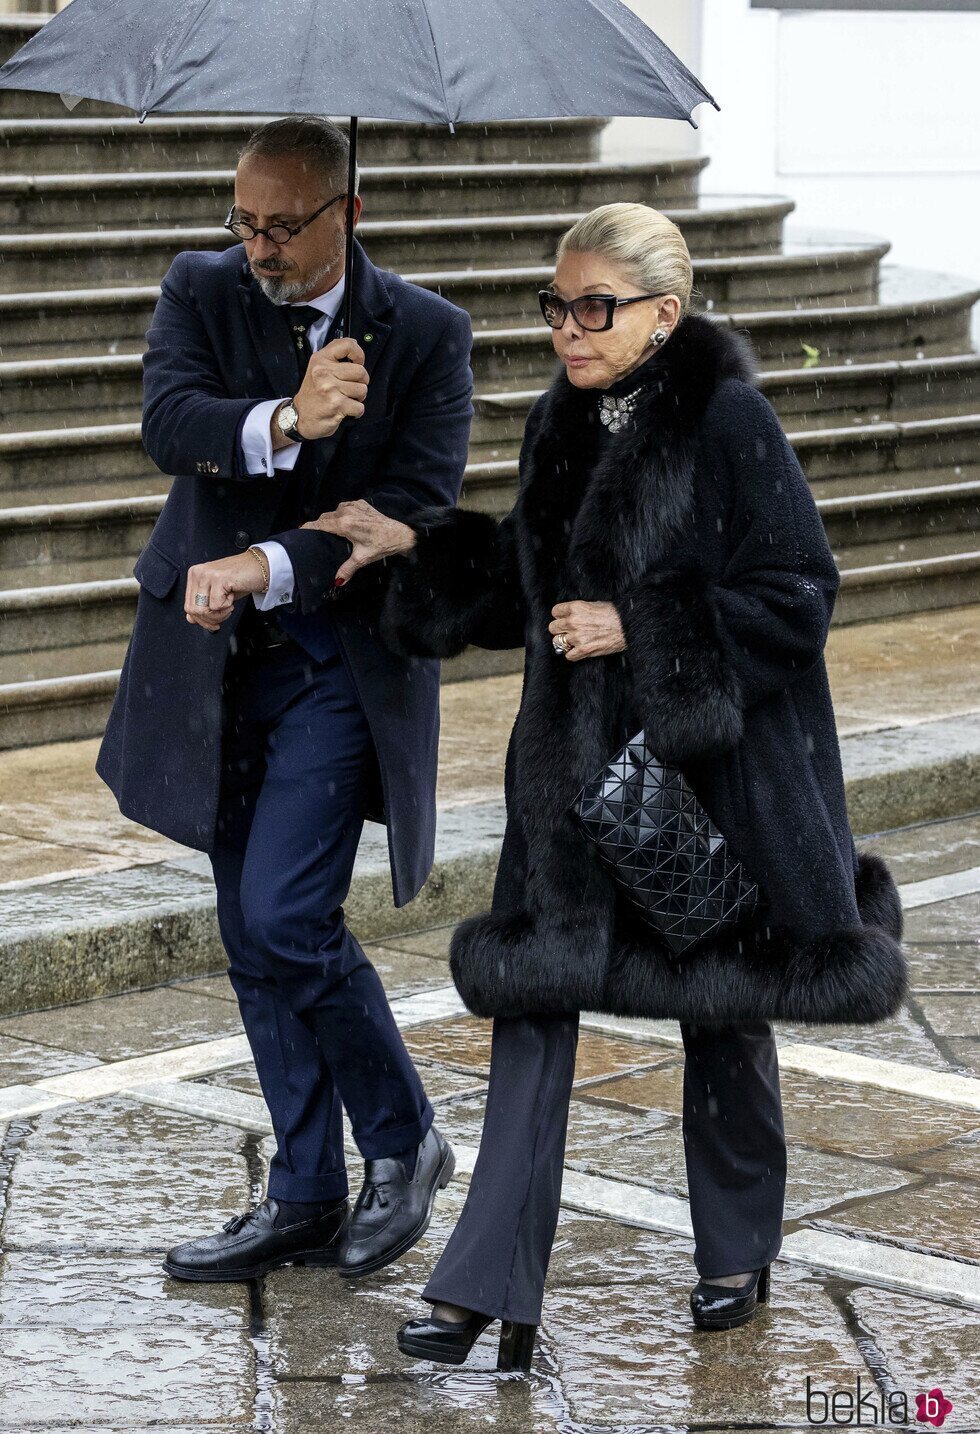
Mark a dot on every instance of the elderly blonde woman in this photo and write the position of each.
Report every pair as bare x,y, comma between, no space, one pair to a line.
667,570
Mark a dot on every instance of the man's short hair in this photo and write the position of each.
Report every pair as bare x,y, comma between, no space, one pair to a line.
321,143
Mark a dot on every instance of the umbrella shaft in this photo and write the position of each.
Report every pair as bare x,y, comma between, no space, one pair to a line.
349,255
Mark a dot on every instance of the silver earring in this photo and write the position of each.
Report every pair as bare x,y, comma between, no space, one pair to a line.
659,336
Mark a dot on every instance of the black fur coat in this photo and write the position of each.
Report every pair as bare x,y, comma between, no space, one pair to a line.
696,520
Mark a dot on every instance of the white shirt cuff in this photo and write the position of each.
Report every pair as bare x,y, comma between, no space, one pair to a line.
282,579
257,452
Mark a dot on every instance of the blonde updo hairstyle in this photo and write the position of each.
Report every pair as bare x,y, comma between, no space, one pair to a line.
647,245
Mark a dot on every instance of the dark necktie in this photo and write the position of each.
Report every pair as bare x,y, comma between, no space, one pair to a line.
302,317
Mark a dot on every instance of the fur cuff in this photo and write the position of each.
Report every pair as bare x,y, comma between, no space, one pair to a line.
684,689
440,591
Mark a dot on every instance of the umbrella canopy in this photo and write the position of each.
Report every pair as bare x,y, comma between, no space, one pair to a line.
440,61
435,61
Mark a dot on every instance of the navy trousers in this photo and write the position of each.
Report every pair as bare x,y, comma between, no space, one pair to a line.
496,1259
295,757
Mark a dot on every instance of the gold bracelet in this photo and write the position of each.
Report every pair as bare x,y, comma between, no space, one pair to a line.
260,557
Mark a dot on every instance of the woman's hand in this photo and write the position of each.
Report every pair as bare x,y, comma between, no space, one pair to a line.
591,629
371,534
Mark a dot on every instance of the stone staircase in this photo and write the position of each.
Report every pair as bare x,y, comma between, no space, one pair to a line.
870,366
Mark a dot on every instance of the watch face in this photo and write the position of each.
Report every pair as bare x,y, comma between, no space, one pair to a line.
287,417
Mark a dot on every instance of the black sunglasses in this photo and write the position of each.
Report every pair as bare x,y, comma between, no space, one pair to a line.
590,311
276,233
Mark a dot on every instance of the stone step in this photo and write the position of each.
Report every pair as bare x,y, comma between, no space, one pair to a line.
881,505
920,313
210,141
108,461
35,537
110,201
927,505
712,225
879,580
75,586
843,460
62,322
75,464
51,664
820,397
60,709
895,577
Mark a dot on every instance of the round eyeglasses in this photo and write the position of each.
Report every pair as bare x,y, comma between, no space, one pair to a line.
276,233
590,311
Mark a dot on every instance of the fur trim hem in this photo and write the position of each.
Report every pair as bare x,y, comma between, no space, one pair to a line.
514,966
685,689
442,589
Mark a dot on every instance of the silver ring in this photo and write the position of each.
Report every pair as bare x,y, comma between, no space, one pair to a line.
560,643
200,599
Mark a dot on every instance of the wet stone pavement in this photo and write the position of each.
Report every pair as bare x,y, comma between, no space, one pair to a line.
134,1122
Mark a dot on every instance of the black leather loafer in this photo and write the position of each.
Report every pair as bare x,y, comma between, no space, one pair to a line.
392,1212
250,1245
725,1306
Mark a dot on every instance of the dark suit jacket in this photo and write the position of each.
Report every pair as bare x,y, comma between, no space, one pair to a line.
217,346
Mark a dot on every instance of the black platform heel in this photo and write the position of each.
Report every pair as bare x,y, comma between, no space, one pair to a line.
516,1346
447,1342
444,1341
726,1306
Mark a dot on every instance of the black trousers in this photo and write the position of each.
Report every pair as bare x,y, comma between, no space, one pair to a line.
496,1259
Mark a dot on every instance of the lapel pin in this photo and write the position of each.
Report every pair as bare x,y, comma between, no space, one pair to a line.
369,338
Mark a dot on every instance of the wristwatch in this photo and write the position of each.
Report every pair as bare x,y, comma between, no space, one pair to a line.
287,418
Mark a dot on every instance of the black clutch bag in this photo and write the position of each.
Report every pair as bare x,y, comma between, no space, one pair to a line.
662,848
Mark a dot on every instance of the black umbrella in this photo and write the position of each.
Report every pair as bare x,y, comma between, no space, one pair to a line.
437,61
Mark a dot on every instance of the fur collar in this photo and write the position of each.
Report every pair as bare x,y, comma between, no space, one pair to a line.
597,523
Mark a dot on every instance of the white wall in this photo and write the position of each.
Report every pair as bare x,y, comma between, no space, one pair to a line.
869,120
678,23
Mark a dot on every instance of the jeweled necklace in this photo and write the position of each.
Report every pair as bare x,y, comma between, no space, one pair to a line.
616,413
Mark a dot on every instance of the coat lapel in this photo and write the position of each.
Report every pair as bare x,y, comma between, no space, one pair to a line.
370,310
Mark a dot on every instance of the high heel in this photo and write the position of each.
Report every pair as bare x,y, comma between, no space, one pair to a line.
441,1340
449,1342
725,1306
516,1346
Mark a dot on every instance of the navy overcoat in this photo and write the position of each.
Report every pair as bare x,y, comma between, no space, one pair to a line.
217,346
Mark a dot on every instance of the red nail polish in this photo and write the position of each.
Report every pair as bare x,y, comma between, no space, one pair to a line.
339,582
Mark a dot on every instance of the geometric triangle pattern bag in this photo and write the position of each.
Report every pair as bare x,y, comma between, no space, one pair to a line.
662,848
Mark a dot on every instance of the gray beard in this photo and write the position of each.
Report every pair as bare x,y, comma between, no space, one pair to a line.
284,291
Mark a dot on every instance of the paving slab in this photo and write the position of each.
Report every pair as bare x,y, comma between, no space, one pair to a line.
930,848
943,966
128,1375
824,1114
29,1060
924,1345
133,1025
643,1363
935,1216
88,1292
966,1054
956,921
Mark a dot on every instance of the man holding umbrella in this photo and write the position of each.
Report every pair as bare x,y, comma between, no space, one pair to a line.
259,717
